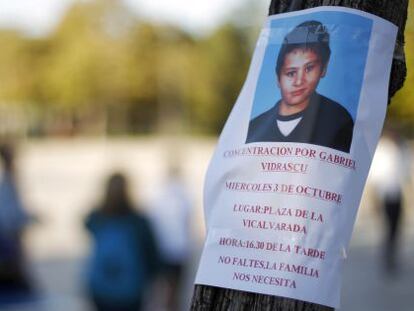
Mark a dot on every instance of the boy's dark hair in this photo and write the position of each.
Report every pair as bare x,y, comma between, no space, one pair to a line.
311,35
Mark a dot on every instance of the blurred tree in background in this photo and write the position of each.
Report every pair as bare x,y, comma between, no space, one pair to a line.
218,69
101,66
105,70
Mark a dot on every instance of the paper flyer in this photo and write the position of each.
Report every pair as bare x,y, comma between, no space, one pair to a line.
286,179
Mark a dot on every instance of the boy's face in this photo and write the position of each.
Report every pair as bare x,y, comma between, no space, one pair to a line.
299,76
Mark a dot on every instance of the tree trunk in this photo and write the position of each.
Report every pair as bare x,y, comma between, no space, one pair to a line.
209,298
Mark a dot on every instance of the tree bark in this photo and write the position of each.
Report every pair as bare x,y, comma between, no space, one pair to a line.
209,298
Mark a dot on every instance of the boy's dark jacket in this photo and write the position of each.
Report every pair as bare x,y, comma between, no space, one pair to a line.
324,122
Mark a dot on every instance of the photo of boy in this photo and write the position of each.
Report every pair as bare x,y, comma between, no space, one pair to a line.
302,115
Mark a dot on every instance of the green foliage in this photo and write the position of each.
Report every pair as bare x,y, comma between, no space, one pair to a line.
88,63
132,75
219,67
19,63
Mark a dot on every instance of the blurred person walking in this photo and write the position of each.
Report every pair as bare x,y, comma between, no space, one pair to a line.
124,258
391,172
170,215
14,282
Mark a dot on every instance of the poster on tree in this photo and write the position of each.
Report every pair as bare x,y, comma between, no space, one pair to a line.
286,179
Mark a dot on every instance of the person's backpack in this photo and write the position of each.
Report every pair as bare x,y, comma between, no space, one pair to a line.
118,268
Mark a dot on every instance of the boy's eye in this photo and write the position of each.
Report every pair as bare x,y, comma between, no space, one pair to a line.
290,74
309,68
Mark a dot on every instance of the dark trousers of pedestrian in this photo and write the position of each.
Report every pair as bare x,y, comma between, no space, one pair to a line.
393,213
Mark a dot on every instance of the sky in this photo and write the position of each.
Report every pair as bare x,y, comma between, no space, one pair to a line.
38,17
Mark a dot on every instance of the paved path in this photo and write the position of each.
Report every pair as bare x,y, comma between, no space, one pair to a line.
365,285
60,182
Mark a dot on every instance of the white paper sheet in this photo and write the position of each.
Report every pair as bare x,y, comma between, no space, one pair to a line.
280,209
